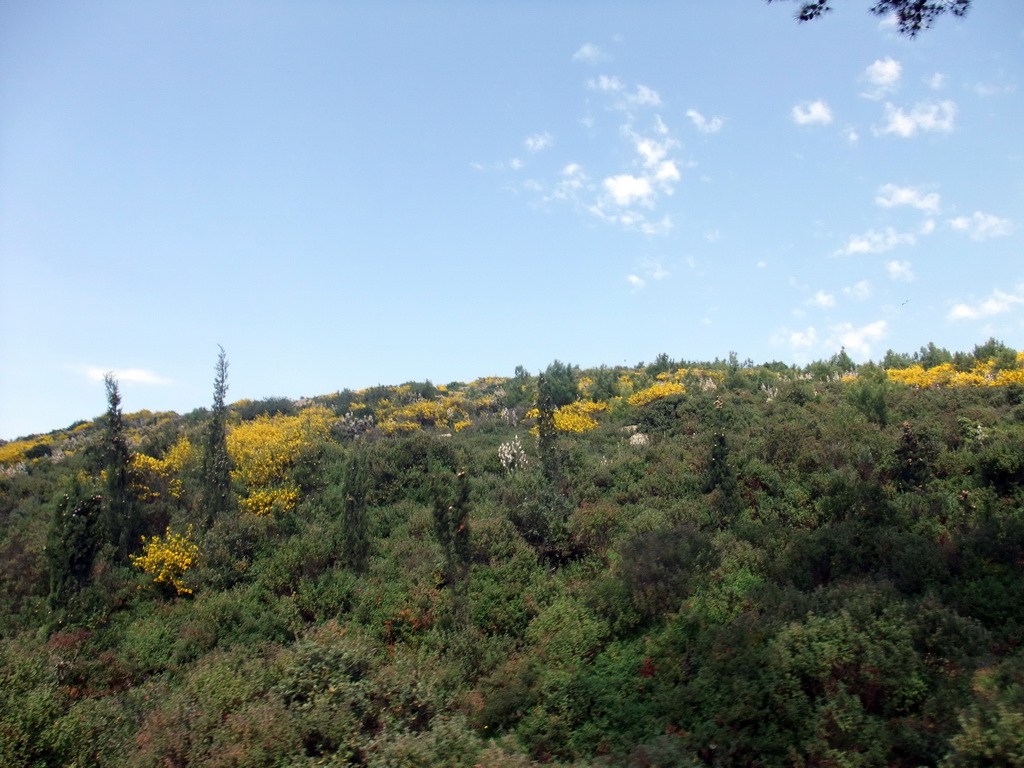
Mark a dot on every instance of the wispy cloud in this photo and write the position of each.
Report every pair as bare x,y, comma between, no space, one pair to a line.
883,76
803,339
900,270
538,141
875,242
890,196
861,290
812,113
589,54
982,226
654,269
605,83
822,299
996,304
857,341
937,81
635,282
703,124
926,116
125,375
640,96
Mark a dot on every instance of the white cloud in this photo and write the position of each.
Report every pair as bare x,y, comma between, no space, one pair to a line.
589,53
875,242
655,270
652,152
900,270
812,113
626,189
937,81
703,124
125,375
859,290
605,83
515,163
884,76
538,141
988,89
636,282
642,96
851,135
934,116
998,303
857,341
822,299
890,196
927,227
806,338
982,226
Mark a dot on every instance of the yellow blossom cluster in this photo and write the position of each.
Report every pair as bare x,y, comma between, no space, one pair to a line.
575,417
656,392
947,375
264,450
150,473
168,559
12,453
444,413
267,501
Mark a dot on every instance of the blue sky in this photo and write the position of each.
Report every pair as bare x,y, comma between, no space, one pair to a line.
344,194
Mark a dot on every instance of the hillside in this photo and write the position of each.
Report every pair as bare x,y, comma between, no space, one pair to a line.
673,564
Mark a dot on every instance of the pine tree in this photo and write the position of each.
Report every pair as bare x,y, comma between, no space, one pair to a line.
216,469
72,543
122,519
546,433
356,542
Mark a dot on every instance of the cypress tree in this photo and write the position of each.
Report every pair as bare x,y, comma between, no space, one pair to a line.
72,543
122,520
549,459
216,468
356,541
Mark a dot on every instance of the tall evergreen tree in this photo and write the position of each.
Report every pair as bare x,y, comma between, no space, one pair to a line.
122,519
356,542
216,469
72,543
549,459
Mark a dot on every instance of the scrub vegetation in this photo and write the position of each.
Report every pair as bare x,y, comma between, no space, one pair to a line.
672,564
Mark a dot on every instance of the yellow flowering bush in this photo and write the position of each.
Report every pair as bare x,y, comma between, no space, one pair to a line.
443,412
168,559
656,392
267,501
947,375
152,474
574,417
264,450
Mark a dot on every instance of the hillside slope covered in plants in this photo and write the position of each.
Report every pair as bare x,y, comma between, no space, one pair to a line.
674,564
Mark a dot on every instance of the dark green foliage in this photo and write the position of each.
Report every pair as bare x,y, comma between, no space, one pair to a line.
550,460
73,542
559,384
268,406
122,516
931,356
451,524
1002,356
912,16
217,498
356,532
789,570
869,394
